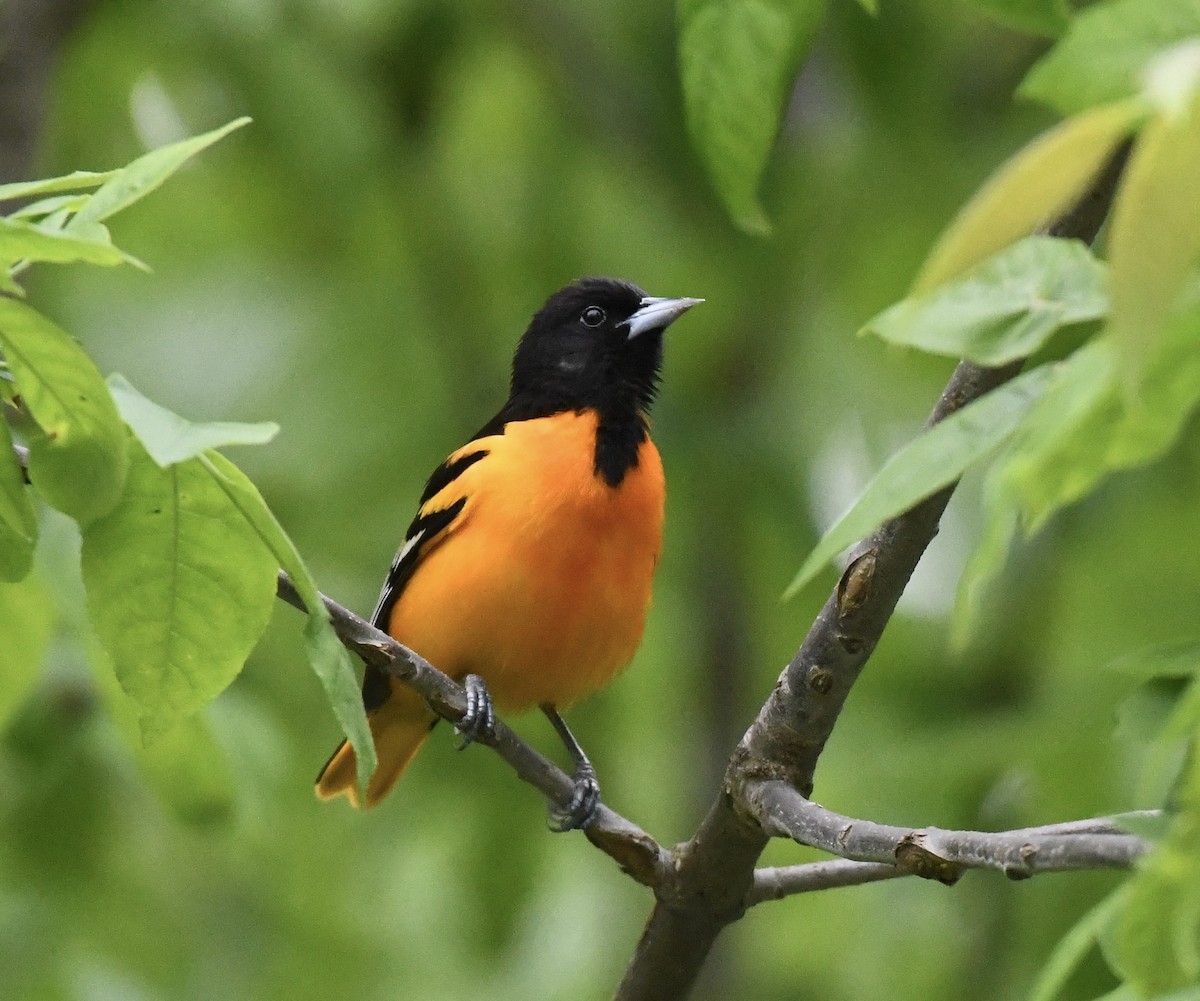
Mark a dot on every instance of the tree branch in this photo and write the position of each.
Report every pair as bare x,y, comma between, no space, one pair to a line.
635,851
943,855
714,871
778,882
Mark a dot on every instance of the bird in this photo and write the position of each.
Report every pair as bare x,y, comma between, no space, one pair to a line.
526,574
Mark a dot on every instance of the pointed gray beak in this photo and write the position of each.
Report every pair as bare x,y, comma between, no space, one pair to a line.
657,314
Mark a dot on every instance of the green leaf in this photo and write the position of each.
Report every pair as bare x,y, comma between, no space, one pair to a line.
1167,397
78,463
170,438
26,622
1105,50
1154,242
1060,455
179,587
143,175
68,182
1029,191
1004,309
52,206
18,522
38,242
1001,522
930,462
326,655
1087,425
332,665
1083,428
737,60
1039,17
1074,947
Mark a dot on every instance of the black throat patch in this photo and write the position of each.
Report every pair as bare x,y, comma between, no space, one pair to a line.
618,440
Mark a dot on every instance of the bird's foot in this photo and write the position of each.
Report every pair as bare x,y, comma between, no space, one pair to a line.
584,804
585,795
479,721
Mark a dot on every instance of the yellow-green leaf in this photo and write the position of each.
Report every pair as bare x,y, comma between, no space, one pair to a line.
1006,308
170,438
68,182
31,241
934,460
1041,181
326,655
179,587
143,175
1105,50
1087,425
1154,244
1075,946
737,61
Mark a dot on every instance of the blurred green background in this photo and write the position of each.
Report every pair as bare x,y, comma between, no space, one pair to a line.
357,265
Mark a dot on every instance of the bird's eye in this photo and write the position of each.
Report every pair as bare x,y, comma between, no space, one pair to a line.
593,316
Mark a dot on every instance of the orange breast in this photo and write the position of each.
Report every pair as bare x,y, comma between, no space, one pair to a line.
542,583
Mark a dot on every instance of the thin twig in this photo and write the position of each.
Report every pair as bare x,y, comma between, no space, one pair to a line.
779,882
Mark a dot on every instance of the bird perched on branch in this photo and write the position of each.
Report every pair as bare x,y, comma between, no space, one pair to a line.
526,573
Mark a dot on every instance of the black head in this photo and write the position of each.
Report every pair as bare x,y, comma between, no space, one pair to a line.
597,343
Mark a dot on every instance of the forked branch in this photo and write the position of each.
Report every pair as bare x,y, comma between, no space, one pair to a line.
938,854
713,877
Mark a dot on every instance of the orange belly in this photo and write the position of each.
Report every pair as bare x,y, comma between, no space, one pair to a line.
542,583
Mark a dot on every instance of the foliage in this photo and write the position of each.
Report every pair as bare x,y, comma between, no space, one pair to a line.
357,265
180,584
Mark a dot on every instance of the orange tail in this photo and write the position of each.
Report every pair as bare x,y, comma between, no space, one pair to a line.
399,728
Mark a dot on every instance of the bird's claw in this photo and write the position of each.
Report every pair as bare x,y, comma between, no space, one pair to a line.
479,721
584,805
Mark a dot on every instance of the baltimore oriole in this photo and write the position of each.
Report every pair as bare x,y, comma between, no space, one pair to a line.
527,570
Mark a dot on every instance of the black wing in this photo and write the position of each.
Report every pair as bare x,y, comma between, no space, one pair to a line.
426,526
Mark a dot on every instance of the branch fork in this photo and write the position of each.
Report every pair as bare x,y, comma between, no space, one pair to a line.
943,855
